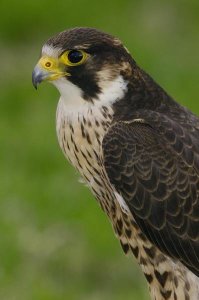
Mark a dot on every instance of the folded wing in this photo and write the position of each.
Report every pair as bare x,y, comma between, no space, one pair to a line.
154,165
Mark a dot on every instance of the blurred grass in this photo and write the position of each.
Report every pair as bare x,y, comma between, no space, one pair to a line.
55,243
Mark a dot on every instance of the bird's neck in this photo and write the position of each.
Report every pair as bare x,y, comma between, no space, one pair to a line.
93,118
81,125
73,100
143,94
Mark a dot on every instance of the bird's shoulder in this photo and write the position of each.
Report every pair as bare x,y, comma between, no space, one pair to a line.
152,159
175,127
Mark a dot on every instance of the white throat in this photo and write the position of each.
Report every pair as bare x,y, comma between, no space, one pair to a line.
72,95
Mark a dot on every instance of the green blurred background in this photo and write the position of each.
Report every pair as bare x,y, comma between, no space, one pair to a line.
55,243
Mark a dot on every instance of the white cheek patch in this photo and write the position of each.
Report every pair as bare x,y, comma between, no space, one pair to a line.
75,106
72,97
112,91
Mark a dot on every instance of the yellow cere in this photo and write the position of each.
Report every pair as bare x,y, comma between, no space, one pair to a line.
54,66
49,63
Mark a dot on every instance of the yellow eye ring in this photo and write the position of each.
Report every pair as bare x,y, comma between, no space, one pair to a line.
74,57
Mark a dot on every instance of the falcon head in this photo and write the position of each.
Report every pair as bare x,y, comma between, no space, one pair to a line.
85,63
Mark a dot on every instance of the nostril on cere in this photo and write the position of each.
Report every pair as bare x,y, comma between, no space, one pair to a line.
48,64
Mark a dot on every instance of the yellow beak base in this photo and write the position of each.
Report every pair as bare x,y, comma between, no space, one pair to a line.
47,69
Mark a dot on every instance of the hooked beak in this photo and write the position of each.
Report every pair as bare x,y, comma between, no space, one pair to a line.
39,75
47,69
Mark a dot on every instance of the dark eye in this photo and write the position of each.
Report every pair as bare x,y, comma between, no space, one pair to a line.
75,56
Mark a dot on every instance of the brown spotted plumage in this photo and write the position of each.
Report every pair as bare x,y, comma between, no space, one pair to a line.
137,150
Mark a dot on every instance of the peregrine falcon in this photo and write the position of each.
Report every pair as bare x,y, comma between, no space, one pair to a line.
137,149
